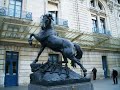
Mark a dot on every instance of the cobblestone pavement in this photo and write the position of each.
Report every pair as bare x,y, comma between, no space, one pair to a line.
105,84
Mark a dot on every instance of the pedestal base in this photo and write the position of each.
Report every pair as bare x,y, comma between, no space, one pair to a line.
78,86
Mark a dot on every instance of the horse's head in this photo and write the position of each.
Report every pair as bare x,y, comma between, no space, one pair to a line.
46,21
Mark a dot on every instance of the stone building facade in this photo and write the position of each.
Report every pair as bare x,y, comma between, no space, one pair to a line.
96,20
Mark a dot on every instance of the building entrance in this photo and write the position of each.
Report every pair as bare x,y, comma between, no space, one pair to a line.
11,68
104,64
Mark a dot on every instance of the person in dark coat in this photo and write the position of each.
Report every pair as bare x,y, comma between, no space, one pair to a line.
114,76
94,70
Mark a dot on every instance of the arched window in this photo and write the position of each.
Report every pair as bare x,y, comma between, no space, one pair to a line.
98,19
15,8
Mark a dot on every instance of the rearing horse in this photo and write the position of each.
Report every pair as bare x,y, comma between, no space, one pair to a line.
48,38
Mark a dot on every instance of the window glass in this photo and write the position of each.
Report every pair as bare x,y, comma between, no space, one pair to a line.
16,5
11,12
15,56
11,7
7,68
12,1
14,67
8,55
18,8
17,14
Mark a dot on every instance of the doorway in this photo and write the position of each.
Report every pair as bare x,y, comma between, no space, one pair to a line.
105,66
11,68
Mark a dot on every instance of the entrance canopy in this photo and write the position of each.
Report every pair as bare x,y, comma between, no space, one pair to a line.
18,30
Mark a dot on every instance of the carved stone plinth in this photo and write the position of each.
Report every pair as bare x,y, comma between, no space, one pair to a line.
78,86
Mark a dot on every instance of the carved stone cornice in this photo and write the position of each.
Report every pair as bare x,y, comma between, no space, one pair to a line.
102,13
97,12
93,10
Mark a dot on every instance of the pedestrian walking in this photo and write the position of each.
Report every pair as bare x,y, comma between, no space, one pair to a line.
115,76
94,70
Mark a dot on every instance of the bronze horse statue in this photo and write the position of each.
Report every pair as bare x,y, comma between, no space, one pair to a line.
48,38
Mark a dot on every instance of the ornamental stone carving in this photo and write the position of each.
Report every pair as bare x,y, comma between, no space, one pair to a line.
111,6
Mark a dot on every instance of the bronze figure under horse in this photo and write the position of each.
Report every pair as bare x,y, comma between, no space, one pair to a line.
48,38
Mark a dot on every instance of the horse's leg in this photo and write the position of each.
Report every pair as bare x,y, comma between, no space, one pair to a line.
30,38
66,67
41,50
65,60
77,61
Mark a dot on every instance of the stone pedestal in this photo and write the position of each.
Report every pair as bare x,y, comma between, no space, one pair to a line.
54,76
77,86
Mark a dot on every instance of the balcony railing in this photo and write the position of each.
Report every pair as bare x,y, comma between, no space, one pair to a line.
101,31
15,13
60,22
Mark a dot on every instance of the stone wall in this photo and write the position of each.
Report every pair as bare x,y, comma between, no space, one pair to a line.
90,59
2,57
27,55
79,18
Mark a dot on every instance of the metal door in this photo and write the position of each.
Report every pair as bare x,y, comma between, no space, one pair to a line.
104,64
11,69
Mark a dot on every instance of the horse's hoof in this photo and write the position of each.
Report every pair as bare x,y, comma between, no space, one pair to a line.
36,60
30,41
84,70
85,74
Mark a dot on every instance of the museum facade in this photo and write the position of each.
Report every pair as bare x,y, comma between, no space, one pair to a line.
93,24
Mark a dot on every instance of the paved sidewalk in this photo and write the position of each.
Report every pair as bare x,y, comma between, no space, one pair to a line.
105,84
14,88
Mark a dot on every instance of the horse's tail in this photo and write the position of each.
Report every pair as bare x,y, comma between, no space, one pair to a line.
79,54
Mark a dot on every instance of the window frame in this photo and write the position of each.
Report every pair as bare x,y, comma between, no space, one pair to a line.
102,27
14,10
96,13
94,23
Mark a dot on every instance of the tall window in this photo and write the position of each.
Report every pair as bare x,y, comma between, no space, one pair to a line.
15,8
94,24
92,2
55,16
98,18
102,25
118,1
